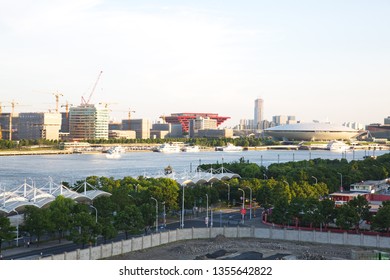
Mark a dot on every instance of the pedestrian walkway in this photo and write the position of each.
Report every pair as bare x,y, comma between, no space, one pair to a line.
40,249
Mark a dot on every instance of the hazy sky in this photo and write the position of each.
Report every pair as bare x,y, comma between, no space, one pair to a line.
323,60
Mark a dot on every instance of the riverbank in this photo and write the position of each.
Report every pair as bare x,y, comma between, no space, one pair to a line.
37,152
131,148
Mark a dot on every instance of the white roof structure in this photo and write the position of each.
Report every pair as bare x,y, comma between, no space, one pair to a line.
29,195
311,131
200,176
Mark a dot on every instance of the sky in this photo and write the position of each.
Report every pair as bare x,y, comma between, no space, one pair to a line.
318,60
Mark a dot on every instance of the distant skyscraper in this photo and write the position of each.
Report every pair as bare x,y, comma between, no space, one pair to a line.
88,122
258,118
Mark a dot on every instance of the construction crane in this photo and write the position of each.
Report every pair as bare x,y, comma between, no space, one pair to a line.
107,103
57,96
13,103
86,102
129,114
67,108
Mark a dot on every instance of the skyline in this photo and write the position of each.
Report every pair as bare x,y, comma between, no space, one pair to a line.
322,61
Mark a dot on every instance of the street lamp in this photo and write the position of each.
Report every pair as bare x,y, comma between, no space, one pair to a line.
95,212
228,198
17,227
164,215
156,213
250,202
315,178
182,209
341,180
243,204
207,210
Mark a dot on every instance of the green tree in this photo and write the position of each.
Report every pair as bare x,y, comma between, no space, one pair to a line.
346,217
60,215
362,208
37,222
84,229
7,232
381,221
129,220
328,211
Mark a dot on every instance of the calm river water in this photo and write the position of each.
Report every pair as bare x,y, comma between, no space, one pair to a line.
15,169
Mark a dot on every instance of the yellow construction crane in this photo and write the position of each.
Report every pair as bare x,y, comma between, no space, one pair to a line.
66,105
107,103
129,114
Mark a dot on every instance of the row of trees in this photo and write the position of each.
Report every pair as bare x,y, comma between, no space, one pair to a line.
314,171
287,188
206,142
7,144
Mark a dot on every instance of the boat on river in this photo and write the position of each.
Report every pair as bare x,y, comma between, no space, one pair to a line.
115,152
338,146
229,148
190,149
168,148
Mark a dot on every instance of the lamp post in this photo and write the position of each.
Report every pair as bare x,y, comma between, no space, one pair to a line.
228,197
341,180
315,178
207,210
250,202
164,215
182,209
17,228
96,212
156,212
243,204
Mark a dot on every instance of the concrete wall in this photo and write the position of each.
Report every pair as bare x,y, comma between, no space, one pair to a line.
139,243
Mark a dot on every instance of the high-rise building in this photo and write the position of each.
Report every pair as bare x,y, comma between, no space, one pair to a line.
35,126
88,121
259,112
201,123
246,124
140,126
184,118
279,120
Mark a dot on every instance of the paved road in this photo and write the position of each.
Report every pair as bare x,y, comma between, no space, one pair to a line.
231,218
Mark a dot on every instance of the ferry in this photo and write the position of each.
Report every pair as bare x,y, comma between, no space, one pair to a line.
168,148
190,149
115,152
337,146
230,148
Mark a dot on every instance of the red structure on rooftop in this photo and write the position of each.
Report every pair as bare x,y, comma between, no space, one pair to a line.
184,118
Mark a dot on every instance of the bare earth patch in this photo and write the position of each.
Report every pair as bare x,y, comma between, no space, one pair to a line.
243,248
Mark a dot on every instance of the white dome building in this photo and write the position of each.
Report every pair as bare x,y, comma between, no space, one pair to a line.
311,132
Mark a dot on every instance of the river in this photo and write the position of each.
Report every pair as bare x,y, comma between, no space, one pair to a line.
38,168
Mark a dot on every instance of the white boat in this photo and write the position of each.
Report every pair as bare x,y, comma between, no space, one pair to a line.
191,149
115,152
230,148
168,148
337,146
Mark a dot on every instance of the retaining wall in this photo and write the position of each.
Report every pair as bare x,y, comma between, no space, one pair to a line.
134,244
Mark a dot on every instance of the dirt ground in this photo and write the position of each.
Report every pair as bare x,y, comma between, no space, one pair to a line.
241,249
